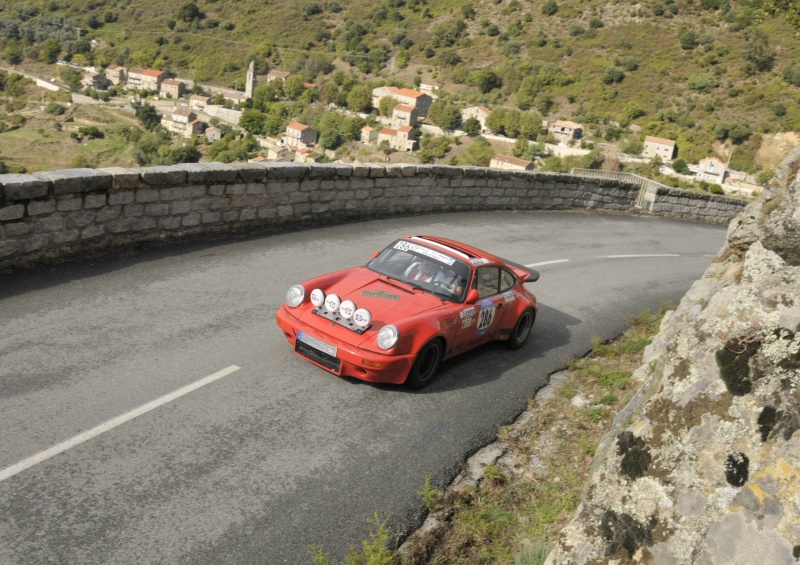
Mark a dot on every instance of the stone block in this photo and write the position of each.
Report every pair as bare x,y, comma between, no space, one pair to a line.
133,210
68,236
143,224
164,176
284,211
247,214
211,217
94,201
69,205
80,219
210,173
18,229
181,207
22,187
230,216
251,172
147,195
70,181
49,224
216,189
156,209
170,223
287,171
122,178
94,230
9,247
122,197
13,212
41,207
321,171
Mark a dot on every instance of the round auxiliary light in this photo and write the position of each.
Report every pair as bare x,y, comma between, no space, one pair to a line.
347,309
332,303
387,337
362,318
295,296
317,297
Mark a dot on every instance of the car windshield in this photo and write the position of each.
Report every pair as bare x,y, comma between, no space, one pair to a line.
425,268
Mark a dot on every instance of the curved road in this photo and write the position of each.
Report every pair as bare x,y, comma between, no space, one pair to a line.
270,455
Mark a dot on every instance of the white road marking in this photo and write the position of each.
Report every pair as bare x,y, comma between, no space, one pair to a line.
642,256
548,263
110,424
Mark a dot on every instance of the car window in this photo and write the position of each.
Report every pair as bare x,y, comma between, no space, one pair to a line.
486,280
507,280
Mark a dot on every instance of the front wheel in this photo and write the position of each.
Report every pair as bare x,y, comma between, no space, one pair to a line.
427,364
522,329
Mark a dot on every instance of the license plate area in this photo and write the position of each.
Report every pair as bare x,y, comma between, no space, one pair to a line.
318,351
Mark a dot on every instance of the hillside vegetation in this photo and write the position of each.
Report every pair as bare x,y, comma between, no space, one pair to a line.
702,72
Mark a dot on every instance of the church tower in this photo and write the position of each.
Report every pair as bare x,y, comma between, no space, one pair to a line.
250,84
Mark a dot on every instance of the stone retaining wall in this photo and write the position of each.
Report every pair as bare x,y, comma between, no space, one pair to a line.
61,214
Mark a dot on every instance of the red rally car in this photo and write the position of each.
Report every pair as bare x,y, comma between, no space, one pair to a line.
421,300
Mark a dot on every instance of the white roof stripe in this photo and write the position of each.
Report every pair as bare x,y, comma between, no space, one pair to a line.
448,249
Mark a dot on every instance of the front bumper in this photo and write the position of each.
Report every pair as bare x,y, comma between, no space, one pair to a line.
352,361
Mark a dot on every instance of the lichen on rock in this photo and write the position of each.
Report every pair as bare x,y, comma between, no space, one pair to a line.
703,466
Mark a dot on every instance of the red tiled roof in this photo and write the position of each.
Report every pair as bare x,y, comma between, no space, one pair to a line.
660,140
408,92
511,160
404,108
298,126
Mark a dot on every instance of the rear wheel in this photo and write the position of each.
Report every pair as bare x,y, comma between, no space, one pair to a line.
427,364
522,329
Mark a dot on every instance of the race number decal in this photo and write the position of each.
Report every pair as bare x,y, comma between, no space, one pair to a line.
486,316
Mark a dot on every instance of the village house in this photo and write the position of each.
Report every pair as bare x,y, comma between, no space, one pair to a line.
116,75
145,79
369,135
182,121
404,115
95,81
300,135
509,163
213,134
414,98
480,113
305,156
272,75
430,86
711,169
400,139
171,88
200,101
658,147
279,153
563,131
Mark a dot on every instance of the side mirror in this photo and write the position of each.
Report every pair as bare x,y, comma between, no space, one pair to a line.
374,255
472,296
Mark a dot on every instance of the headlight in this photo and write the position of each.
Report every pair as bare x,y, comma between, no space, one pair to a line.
387,337
317,297
362,318
295,296
347,309
332,303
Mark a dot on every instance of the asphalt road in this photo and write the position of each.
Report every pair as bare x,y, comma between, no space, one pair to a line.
272,455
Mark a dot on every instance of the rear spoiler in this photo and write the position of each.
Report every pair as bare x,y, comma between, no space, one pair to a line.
526,274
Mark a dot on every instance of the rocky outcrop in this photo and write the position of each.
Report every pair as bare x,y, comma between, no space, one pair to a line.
703,465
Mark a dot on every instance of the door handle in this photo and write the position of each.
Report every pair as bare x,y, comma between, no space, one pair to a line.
499,306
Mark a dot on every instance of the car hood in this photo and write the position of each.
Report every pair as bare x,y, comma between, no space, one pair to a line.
388,301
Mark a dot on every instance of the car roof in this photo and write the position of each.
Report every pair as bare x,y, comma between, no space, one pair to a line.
458,248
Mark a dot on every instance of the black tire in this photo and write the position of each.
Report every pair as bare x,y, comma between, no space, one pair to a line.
426,365
522,329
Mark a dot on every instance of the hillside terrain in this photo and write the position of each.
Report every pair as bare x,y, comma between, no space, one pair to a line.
710,74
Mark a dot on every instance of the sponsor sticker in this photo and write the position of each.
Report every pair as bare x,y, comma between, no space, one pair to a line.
380,294
509,296
420,250
486,316
468,312
466,323
477,261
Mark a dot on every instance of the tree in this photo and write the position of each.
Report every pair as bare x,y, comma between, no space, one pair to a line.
386,149
472,127
147,115
549,8
485,80
758,55
445,115
613,75
520,147
688,40
293,87
386,106
188,12
51,48
359,99
253,120
479,153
